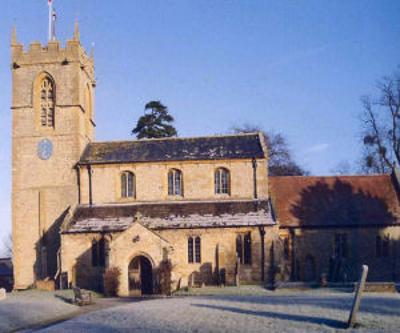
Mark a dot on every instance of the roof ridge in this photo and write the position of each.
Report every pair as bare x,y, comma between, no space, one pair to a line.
332,176
177,138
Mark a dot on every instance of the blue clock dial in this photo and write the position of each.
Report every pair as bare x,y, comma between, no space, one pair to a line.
45,149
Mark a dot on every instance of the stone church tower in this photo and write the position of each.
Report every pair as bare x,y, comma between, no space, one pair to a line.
52,106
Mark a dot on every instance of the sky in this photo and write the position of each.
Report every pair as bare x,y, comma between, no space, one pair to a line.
295,67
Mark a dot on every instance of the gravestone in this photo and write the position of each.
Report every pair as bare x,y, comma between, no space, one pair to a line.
3,294
357,297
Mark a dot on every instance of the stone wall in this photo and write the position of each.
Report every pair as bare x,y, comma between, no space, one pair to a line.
314,254
152,181
43,190
218,251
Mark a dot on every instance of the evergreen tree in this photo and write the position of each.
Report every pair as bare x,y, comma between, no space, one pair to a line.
155,123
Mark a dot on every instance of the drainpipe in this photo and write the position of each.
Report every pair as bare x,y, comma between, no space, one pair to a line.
89,168
254,163
78,175
293,273
262,234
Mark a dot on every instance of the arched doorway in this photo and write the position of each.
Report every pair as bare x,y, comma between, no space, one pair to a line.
140,275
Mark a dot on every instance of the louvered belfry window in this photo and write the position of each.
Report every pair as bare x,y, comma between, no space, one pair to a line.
47,102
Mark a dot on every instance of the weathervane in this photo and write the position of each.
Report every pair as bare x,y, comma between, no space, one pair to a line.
52,21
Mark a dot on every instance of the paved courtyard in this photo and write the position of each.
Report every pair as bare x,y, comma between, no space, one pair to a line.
311,311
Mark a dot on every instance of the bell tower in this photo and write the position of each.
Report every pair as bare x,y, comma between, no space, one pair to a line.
53,121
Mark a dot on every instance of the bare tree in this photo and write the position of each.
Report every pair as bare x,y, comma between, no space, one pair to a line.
342,168
381,126
280,160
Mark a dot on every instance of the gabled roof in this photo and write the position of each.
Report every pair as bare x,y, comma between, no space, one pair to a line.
238,146
335,201
172,215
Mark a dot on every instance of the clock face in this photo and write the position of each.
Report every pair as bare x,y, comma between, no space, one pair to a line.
45,149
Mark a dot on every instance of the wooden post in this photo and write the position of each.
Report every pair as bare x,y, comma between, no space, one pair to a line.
357,297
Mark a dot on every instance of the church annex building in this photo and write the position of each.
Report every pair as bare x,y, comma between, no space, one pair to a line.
205,204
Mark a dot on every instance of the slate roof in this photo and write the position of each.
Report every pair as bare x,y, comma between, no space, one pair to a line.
239,146
343,201
175,215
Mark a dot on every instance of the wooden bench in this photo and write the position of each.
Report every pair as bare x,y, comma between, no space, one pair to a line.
82,297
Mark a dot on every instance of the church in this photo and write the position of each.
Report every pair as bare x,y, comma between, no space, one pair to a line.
205,205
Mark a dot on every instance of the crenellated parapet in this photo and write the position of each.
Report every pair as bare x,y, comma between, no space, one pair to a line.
52,53
69,67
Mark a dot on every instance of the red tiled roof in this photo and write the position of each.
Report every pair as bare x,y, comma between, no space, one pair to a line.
335,201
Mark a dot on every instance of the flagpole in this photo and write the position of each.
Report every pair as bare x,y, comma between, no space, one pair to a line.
50,3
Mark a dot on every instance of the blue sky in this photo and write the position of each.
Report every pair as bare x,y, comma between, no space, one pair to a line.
298,67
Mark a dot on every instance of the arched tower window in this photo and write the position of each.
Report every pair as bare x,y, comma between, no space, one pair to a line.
222,181
127,184
175,182
47,102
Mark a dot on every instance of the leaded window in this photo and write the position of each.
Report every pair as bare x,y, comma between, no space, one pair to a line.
382,246
194,249
247,249
239,248
243,248
197,248
286,248
222,181
99,252
95,257
341,246
175,182
190,249
102,252
127,184
47,102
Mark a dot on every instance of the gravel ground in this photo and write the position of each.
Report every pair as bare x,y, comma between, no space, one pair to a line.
282,311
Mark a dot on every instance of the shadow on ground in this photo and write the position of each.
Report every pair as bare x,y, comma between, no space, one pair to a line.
276,315
369,304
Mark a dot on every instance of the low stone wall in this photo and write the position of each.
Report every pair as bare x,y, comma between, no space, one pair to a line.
48,285
379,287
